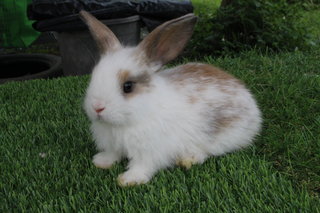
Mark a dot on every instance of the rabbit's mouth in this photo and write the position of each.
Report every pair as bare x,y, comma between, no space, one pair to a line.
110,119
99,117
102,119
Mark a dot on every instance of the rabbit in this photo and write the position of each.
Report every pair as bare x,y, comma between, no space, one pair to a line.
157,117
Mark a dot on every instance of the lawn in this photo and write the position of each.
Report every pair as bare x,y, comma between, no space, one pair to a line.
46,149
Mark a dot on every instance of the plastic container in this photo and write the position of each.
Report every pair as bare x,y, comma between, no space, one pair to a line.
79,52
78,49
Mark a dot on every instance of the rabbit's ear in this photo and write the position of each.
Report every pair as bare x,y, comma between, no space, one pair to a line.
166,42
104,37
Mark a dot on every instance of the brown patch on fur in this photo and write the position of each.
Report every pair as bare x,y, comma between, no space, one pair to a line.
207,72
142,82
143,78
123,76
228,90
200,88
224,121
201,75
192,99
224,116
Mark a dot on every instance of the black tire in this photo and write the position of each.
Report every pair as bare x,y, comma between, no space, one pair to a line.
19,67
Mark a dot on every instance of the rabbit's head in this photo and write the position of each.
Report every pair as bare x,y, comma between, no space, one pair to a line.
124,82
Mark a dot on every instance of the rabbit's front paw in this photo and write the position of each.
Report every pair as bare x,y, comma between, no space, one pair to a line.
132,178
104,160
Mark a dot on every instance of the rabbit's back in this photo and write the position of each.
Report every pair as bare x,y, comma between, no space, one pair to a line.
225,105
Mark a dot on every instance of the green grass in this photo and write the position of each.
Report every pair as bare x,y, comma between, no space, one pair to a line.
46,150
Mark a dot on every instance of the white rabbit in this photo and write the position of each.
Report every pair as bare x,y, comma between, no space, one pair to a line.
159,117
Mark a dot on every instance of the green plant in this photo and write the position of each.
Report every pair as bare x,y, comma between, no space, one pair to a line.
263,24
15,28
311,18
205,10
304,1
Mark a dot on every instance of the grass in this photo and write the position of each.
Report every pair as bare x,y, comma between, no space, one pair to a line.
46,149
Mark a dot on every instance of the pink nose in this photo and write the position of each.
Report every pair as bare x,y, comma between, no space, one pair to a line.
98,110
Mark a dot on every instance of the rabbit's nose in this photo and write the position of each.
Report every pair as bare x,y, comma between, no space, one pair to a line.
99,109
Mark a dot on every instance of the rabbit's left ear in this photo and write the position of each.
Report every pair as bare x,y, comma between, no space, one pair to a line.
104,37
166,42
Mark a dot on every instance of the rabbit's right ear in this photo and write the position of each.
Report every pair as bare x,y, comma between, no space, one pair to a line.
166,42
103,36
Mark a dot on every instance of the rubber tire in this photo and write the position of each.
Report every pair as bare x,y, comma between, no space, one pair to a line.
49,66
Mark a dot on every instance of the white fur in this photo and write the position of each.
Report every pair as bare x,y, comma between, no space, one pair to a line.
156,128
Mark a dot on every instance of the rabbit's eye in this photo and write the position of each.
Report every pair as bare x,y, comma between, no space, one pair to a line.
128,86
